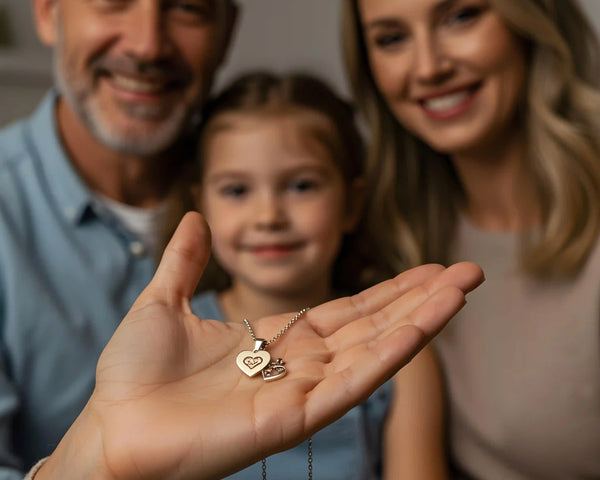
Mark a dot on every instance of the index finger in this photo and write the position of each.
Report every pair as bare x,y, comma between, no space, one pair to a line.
418,283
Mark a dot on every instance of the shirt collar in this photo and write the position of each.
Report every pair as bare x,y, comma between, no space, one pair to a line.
73,197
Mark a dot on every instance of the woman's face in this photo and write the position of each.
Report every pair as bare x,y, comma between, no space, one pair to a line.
451,71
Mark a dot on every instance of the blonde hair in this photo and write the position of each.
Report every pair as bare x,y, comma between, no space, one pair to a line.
321,114
417,192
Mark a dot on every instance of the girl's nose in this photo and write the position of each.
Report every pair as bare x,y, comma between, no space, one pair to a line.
270,212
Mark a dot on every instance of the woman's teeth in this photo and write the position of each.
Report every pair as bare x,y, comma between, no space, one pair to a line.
446,102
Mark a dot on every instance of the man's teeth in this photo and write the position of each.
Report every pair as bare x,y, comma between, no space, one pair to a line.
440,104
137,85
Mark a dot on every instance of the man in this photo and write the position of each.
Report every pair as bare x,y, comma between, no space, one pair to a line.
82,190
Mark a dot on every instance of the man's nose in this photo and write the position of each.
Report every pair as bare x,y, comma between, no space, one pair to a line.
145,32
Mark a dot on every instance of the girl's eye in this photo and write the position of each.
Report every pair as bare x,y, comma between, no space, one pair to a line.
111,4
234,190
464,15
303,185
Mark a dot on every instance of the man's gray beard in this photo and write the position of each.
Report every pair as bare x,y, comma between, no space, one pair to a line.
144,144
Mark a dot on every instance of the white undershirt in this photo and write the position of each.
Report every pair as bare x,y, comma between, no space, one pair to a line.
146,223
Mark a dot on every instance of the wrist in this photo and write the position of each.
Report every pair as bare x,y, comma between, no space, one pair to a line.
80,453
33,471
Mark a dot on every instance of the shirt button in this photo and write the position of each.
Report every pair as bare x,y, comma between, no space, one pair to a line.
70,212
137,248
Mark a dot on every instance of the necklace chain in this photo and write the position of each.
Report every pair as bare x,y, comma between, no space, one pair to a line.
283,330
310,463
310,458
274,339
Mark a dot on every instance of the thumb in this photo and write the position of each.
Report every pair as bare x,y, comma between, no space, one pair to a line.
182,264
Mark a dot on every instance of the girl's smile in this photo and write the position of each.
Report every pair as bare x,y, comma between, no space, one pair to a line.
275,251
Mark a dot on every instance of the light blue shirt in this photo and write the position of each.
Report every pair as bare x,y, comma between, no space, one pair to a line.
68,274
348,449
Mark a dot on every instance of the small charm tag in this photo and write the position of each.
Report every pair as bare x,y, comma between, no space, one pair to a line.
251,362
274,370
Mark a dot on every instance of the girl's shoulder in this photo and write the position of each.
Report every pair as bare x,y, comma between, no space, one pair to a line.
206,306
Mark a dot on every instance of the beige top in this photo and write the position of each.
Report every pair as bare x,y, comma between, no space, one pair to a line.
522,364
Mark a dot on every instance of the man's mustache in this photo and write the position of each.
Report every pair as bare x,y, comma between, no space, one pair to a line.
167,71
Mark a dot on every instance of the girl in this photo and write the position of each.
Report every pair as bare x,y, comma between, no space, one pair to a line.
485,116
281,186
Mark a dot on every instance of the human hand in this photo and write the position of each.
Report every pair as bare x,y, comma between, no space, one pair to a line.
171,403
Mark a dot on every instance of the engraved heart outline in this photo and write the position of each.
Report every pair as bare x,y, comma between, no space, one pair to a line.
251,362
273,371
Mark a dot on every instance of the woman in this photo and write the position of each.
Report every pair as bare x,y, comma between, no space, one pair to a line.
485,118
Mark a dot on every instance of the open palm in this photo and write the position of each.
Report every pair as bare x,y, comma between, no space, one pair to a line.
170,401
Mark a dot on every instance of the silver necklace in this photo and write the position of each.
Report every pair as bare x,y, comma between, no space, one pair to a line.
259,360
310,463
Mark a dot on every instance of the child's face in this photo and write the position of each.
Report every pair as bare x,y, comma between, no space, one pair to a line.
276,204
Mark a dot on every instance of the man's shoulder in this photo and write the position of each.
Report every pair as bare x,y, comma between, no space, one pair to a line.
16,161
20,138
17,172
13,143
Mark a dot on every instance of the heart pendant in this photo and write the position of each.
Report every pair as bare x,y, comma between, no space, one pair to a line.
274,370
251,362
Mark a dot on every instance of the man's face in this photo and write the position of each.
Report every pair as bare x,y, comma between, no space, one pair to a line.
134,71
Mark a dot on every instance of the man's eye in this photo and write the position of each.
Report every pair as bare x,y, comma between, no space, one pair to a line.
199,8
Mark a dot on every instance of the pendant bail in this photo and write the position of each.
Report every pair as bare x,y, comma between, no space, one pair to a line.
260,344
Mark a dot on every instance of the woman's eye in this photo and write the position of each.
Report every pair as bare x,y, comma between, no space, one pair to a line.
389,40
464,15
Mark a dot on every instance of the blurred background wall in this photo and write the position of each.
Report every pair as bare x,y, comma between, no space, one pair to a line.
275,34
